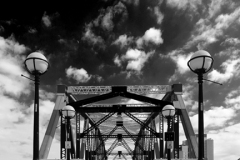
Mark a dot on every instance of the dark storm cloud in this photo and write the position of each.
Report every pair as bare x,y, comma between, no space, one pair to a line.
83,38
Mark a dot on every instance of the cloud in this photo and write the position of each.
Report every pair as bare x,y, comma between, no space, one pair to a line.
11,68
46,20
187,96
207,31
152,35
158,14
136,59
215,118
106,17
117,61
229,138
181,60
231,42
123,40
107,22
216,6
80,75
16,117
184,4
134,2
91,38
230,69
233,99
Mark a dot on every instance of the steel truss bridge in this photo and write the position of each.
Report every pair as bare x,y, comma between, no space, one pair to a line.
102,131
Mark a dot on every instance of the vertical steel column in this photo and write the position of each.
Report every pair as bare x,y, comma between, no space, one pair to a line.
63,138
152,140
176,134
78,119
149,145
200,118
161,132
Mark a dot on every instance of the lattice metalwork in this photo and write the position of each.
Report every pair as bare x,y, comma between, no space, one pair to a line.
97,124
142,124
149,89
89,89
138,89
114,144
125,145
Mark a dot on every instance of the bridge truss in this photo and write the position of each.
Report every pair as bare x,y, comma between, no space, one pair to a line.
110,129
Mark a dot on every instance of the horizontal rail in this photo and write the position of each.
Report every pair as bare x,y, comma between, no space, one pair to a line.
123,136
117,109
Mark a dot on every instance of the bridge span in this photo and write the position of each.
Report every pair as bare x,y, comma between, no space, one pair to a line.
113,122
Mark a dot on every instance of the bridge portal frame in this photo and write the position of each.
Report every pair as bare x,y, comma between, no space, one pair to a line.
64,97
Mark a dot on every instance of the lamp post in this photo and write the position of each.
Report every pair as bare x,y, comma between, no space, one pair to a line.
68,112
168,112
201,62
36,64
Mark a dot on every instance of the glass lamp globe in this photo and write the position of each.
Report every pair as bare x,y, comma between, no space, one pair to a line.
36,63
168,111
68,111
200,62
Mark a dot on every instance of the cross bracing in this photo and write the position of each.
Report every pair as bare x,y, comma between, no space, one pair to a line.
133,126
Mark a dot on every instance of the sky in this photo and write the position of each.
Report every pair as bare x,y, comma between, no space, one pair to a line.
121,42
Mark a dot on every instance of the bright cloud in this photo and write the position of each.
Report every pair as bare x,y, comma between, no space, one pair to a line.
80,75
16,118
216,117
152,35
11,68
226,142
181,60
233,99
231,41
136,59
216,5
123,40
117,61
230,69
187,96
207,32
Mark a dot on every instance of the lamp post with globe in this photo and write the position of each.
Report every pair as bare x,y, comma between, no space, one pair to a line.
200,62
36,64
68,112
168,112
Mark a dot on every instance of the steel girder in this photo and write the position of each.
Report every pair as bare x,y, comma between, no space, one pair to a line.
96,124
72,99
63,138
120,108
119,91
125,145
142,124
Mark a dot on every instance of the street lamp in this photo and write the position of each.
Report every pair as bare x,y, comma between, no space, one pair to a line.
36,64
68,112
168,112
201,62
